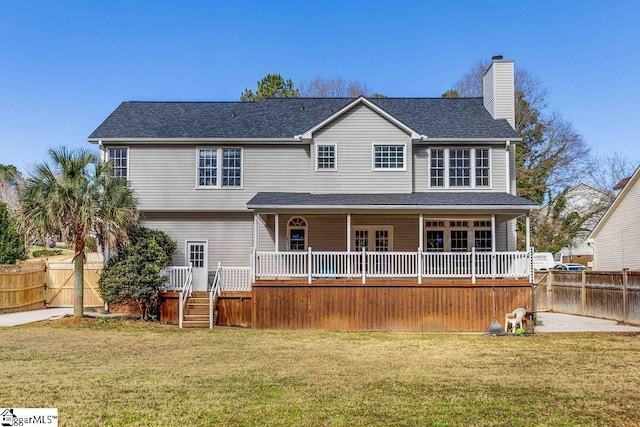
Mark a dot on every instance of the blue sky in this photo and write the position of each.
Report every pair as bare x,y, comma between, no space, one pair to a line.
65,65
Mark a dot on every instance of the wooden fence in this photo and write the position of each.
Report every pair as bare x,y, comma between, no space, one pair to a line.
22,286
607,295
59,279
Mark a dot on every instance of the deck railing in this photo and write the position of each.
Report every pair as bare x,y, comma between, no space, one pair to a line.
177,277
323,264
185,293
214,293
235,278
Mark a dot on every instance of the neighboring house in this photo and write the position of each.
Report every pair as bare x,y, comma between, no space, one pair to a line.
312,188
616,237
587,202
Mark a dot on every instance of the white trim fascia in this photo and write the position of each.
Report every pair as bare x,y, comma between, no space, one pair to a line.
616,202
468,140
293,140
364,101
493,208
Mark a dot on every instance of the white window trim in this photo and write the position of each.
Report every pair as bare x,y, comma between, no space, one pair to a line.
115,148
371,230
219,185
298,227
335,160
472,175
373,157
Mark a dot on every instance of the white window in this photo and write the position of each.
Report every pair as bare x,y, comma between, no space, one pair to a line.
459,167
482,167
119,157
214,173
458,235
326,158
297,234
388,157
437,167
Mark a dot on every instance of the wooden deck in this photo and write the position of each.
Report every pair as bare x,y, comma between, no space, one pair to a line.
440,305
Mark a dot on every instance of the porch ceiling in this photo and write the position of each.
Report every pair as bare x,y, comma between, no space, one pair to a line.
432,202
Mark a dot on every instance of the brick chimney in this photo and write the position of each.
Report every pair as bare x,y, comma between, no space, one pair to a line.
498,90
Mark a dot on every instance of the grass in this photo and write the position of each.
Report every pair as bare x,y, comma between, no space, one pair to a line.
130,373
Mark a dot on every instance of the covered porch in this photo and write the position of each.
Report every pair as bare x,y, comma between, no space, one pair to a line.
420,237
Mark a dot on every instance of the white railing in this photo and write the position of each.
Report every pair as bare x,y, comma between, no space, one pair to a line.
185,293
324,264
177,277
282,264
447,264
235,278
214,293
336,264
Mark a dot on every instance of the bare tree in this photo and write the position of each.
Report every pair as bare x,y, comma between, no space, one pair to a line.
333,87
10,179
607,170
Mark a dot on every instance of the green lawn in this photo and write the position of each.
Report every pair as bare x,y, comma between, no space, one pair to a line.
130,373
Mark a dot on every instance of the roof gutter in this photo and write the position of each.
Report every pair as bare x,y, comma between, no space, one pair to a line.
195,140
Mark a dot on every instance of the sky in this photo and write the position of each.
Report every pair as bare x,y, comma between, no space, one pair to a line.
66,65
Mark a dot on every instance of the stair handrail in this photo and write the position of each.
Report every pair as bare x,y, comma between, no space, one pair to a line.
185,293
214,293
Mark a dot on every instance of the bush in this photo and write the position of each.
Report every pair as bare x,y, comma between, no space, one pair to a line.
134,274
11,242
46,252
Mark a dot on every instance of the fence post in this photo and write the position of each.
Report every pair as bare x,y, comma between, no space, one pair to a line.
583,293
309,266
550,290
625,299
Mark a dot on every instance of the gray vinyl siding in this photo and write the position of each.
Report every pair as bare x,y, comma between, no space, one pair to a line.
164,177
229,235
421,168
617,242
498,90
354,134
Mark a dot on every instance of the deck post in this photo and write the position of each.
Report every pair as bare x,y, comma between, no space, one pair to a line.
493,232
420,265
473,265
528,235
253,264
309,256
364,266
349,244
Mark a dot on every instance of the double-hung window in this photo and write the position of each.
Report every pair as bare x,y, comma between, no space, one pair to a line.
219,167
459,167
326,157
389,157
119,157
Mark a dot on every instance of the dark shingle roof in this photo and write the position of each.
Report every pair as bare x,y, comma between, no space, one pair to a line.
431,199
287,117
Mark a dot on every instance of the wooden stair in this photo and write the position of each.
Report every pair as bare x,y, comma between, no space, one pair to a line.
196,311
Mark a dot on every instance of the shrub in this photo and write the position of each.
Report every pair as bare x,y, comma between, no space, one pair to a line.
11,242
134,274
46,252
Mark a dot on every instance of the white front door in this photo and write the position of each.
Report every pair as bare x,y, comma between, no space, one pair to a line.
197,256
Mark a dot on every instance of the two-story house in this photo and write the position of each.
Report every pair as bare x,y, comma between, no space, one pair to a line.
313,192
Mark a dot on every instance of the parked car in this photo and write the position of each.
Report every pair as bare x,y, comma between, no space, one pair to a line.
570,267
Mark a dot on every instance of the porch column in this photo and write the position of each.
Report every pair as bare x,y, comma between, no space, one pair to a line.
277,231
528,235
493,232
255,230
349,232
421,232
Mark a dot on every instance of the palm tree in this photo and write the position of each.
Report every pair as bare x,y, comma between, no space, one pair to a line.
77,195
